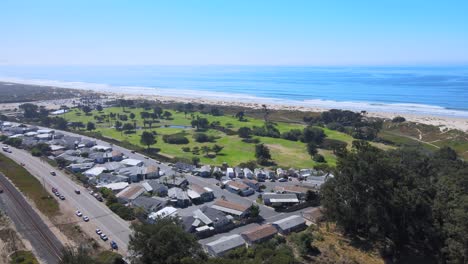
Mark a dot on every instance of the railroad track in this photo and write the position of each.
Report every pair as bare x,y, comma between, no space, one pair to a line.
29,218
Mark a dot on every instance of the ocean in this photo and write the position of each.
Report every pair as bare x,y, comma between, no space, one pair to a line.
439,91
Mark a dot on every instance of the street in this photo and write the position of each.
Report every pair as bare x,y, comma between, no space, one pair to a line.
29,224
100,215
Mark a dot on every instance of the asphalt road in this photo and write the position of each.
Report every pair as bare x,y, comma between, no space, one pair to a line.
29,224
100,215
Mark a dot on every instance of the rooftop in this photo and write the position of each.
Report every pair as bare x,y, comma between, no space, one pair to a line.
260,232
230,207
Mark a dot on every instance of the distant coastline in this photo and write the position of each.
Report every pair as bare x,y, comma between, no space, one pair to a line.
248,99
169,95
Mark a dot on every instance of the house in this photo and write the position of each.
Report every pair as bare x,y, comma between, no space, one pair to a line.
280,199
280,172
101,148
151,172
205,171
30,134
107,178
224,244
290,224
270,174
115,187
206,220
158,188
43,137
93,172
173,181
56,147
259,234
252,184
165,212
239,172
45,131
97,157
135,174
113,156
200,194
132,162
301,192
131,193
248,173
178,197
239,188
234,209
184,167
112,166
260,175
86,143
80,167
304,173
149,204
230,173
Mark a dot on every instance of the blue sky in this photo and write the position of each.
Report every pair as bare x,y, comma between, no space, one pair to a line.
199,32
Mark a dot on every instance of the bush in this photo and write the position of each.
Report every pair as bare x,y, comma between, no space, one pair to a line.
202,138
268,130
244,132
251,140
398,119
293,135
14,142
186,149
123,211
319,158
175,139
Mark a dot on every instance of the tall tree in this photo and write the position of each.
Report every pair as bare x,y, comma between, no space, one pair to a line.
164,242
148,139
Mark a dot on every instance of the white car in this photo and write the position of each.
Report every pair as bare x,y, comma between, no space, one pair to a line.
98,231
85,218
78,213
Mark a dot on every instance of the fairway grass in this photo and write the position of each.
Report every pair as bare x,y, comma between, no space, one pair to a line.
284,153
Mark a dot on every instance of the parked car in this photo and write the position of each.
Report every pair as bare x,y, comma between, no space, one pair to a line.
62,197
57,194
1,190
98,231
78,213
114,245
85,218
103,237
54,190
283,180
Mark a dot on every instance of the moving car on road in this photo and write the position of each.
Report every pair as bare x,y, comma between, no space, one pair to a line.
77,191
53,173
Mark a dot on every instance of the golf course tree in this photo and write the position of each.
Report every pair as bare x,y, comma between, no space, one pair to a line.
99,108
164,242
86,109
312,134
217,148
29,110
132,116
90,126
262,153
128,127
147,139
200,123
158,111
205,149
167,115
311,149
144,115
240,115
244,132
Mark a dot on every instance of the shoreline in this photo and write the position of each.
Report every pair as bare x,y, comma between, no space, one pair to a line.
440,121
147,93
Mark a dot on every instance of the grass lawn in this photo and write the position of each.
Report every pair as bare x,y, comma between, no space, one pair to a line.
29,186
284,152
23,257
